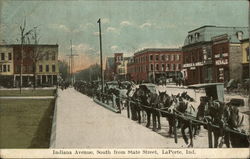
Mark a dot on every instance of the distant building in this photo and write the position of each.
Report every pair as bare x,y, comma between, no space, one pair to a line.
152,64
200,44
245,58
6,65
39,62
109,69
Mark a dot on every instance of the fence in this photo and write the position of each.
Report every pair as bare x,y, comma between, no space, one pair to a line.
176,116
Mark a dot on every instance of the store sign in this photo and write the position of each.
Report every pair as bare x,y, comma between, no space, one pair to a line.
193,64
221,62
192,68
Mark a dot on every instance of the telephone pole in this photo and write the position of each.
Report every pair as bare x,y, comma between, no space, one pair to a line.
100,38
71,62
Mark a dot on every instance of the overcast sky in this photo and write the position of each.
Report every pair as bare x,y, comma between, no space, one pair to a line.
127,26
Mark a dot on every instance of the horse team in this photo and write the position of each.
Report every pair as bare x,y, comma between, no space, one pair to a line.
178,110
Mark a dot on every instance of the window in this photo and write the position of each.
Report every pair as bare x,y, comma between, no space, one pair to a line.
173,67
172,57
179,66
0,68
40,68
163,57
167,67
2,56
177,57
151,67
162,67
53,68
157,67
47,68
156,57
54,56
247,51
8,66
151,57
10,56
4,68
167,57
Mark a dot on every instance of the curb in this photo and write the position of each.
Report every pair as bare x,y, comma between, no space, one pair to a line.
106,106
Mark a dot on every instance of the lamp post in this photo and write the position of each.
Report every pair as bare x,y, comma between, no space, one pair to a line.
100,38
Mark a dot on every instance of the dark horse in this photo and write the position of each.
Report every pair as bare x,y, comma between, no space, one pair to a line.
150,101
235,122
216,113
165,101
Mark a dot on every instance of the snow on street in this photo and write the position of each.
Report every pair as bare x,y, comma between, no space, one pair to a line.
81,123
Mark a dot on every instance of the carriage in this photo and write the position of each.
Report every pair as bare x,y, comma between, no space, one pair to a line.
214,90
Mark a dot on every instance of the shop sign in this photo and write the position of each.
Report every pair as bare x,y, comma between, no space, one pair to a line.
192,68
221,62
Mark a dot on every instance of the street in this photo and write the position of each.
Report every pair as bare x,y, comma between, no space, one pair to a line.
81,123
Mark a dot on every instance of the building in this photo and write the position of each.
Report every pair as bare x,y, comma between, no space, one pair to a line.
152,64
245,58
199,62
6,66
227,57
120,66
109,69
38,62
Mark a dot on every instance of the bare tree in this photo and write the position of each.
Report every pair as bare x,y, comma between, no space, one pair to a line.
24,40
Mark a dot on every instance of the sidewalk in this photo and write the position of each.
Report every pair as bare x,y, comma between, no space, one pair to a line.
27,97
81,123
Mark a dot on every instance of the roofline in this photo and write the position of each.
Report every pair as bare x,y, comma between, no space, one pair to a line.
29,45
159,50
214,26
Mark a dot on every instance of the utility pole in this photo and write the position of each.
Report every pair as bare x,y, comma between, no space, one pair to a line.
100,38
71,62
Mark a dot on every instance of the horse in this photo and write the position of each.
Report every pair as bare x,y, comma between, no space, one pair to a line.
235,120
151,101
216,112
184,108
165,101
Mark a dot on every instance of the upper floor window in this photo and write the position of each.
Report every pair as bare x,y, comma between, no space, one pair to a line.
4,68
167,57
178,57
53,56
53,68
0,68
40,68
239,35
172,57
47,68
2,56
156,57
8,68
151,57
151,67
157,67
10,56
163,57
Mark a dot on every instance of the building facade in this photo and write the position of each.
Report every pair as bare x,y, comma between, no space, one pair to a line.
109,69
245,58
6,65
39,64
201,65
150,65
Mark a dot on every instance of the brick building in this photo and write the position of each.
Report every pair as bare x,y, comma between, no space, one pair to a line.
38,62
152,64
200,64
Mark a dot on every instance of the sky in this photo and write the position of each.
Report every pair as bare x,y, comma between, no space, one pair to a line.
127,26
